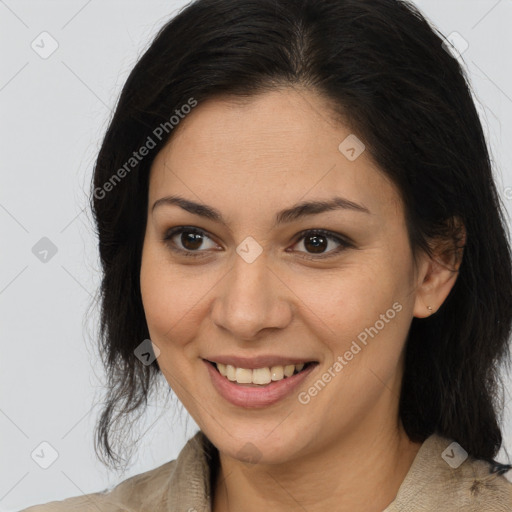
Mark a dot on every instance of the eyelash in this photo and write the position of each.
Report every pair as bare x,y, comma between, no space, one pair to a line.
344,244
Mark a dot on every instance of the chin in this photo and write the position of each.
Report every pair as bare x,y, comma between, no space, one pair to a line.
264,445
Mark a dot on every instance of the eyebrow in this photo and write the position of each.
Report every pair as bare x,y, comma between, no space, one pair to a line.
296,212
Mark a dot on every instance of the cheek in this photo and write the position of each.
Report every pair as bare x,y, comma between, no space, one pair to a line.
368,304
164,302
368,316
350,297
166,317
174,299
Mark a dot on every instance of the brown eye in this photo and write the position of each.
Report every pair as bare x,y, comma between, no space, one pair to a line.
188,240
319,242
191,241
315,243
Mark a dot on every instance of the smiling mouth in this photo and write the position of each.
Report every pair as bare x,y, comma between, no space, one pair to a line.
260,376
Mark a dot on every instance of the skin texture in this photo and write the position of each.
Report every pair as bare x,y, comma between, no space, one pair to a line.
346,449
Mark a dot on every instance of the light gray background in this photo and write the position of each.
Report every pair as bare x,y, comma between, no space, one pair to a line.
54,112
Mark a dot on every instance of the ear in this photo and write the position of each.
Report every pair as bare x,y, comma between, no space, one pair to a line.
437,274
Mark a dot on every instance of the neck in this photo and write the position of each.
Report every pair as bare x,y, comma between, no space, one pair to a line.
362,471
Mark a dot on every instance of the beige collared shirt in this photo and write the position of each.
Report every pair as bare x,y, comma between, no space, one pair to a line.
435,482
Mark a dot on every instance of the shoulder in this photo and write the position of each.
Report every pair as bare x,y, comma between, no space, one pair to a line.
444,477
144,489
478,486
184,480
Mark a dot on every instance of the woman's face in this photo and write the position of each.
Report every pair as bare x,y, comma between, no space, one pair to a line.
253,286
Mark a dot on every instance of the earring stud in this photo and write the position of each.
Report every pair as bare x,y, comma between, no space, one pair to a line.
430,309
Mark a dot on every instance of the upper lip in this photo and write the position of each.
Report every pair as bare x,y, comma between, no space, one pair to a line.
261,361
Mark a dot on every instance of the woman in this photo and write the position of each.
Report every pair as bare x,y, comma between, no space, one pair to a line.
295,204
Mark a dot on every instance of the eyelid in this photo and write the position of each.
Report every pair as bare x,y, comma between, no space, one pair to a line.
171,233
344,242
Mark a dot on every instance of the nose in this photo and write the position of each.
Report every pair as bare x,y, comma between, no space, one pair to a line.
251,299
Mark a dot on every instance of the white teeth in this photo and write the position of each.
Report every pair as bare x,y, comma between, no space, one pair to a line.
261,376
243,376
222,369
230,372
289,369
277,372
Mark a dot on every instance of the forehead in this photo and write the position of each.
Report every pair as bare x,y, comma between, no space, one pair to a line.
267,151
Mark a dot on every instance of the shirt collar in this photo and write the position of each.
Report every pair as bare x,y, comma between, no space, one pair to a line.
190,481
432,470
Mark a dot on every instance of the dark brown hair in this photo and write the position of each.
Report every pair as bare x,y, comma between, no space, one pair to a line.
384,69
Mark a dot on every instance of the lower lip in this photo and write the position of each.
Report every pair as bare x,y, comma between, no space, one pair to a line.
261,396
